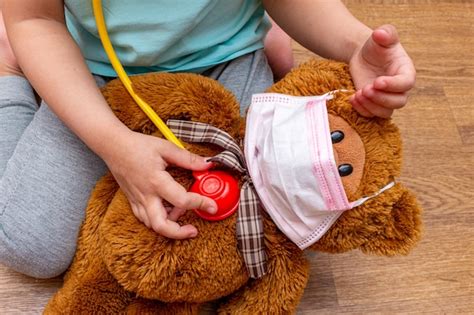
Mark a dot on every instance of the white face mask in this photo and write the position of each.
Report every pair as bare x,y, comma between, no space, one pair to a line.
290,159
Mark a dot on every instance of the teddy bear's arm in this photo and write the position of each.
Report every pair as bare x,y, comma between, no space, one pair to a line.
277,292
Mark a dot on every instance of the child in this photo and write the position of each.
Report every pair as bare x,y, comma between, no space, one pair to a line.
47,170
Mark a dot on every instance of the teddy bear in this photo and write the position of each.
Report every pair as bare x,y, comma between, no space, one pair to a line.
121,266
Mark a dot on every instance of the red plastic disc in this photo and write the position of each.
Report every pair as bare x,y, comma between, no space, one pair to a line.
221,187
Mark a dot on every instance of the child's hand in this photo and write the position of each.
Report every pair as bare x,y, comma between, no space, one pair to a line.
383,74
139,164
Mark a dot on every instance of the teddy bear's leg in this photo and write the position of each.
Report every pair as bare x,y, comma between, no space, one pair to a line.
277,292
143,307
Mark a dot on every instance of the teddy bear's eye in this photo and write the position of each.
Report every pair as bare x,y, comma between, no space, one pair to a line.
337,136
345,170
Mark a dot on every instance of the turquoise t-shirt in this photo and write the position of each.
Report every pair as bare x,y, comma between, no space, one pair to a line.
168,35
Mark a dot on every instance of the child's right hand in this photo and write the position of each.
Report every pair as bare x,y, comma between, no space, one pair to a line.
138,163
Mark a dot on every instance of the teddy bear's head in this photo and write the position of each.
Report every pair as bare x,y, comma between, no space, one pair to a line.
371,148
170,270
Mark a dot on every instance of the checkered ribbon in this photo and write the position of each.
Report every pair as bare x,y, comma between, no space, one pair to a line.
249,227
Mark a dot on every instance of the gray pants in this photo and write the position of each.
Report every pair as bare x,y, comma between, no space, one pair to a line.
47,173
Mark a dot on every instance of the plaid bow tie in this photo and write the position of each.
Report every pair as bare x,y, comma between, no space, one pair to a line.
249,227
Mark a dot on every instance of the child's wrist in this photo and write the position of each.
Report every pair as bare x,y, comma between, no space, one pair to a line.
113,138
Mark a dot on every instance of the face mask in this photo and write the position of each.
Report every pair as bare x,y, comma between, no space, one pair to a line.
290,159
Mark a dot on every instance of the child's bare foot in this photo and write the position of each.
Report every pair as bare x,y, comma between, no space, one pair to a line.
8,63
278,51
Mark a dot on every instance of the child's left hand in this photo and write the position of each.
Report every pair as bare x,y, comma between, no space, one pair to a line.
383,73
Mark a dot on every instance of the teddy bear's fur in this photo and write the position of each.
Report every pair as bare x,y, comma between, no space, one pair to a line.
123,267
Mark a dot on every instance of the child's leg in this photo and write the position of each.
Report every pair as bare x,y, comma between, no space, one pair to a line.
279,51
14,116
45,177
17,108
43,194
244,76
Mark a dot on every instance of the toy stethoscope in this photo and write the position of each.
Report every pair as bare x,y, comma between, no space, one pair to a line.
218,185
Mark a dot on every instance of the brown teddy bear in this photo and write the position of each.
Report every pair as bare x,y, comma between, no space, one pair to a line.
121,266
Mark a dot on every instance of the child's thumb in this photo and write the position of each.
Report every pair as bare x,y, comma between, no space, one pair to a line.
385,35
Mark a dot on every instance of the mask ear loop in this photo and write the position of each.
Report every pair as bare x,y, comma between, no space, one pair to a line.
104,37
331,94
364,199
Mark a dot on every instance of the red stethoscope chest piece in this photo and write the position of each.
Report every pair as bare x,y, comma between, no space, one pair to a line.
222,188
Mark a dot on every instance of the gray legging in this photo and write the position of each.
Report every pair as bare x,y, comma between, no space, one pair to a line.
47,173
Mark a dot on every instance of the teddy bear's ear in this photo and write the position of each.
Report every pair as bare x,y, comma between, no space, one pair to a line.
402,228
315,77
179,96
389,224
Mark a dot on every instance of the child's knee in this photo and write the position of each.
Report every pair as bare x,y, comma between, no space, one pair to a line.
32,256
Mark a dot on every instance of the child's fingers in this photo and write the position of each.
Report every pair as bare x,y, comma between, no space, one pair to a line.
399,83
359,107
183,158
385,35
164,226
373,108
176,213
140,212
388,100
175,194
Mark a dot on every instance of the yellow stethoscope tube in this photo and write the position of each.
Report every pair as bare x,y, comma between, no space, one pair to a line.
104,37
